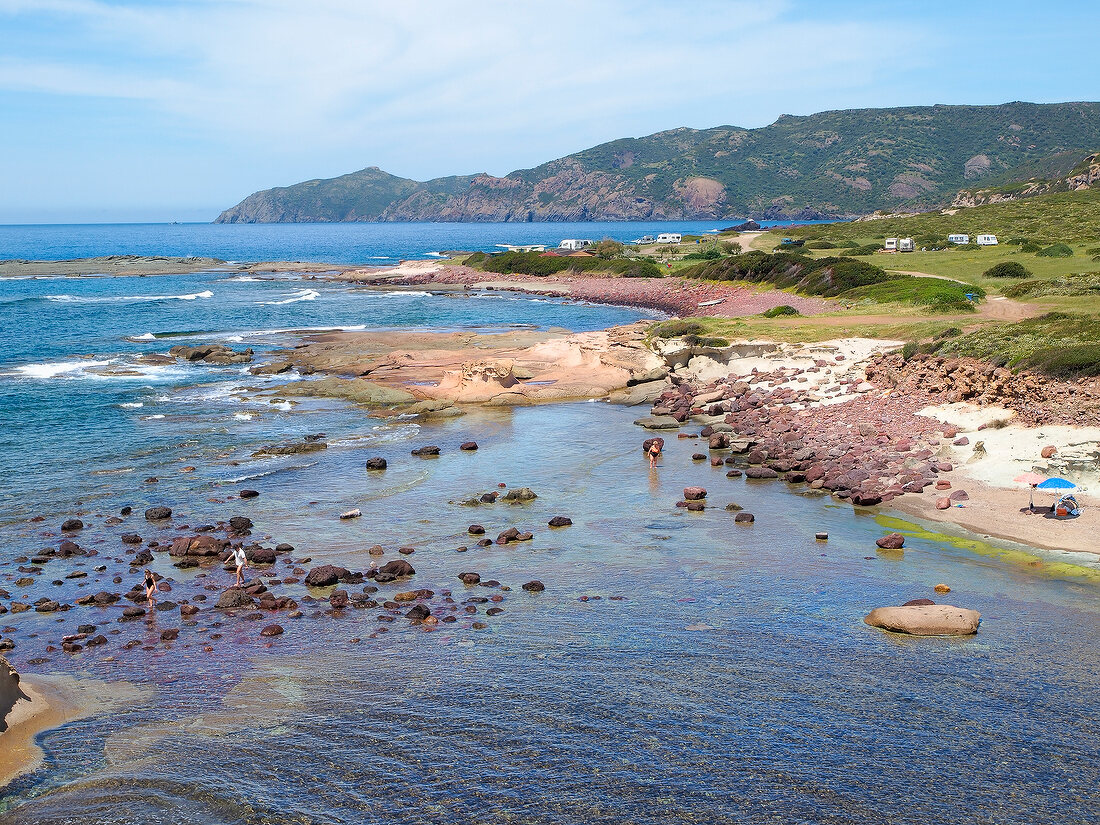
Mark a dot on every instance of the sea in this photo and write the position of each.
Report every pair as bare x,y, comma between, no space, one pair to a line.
677,667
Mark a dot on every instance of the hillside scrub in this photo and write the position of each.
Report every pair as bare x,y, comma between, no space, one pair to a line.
1058,250
1008,269
783,310
827,277
536,263
1072,217
1035,344
935,294
1087,283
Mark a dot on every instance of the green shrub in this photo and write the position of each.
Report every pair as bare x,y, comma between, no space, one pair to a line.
1093,251
824,276
1058,250
710,255
869,249
700,341
535,263
1031,246
730,247
677,328
937,294
780,311
847,244
820,245
1007,269
1066,362
1084,283
1017,241
950,332
909,350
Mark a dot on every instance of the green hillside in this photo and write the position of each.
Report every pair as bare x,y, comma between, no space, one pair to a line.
831,164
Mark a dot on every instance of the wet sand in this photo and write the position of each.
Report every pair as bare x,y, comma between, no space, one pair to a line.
47,706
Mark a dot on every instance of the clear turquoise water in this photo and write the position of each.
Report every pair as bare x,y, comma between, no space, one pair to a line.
734,682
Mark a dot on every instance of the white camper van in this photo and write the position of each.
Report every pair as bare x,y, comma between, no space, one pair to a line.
958,238
669,237
987,240
905,244
574,244
890,245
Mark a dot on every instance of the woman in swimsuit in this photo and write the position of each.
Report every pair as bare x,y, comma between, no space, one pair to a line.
150,586
654,453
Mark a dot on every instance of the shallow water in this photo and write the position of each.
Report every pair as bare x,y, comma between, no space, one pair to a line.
733,680
780,705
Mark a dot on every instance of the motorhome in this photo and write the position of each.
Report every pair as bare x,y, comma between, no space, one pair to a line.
890,245
669,237
574,243
958,238
987,240
905,244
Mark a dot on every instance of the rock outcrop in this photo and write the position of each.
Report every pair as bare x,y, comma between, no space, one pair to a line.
10,692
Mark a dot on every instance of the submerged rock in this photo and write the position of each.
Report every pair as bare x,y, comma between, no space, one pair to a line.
926,620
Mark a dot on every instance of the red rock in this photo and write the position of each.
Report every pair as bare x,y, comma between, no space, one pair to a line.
695,493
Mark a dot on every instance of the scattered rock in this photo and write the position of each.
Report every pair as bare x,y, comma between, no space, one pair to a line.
695,493
1048,451
560,521
158,513
249,493
468,446
272,630
942,588
350,514
72,525
521,494
426,452
926,620
326,575
534,586
744,518
376,463
892,541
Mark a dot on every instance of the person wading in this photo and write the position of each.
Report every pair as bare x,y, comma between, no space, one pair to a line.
239,559
150,586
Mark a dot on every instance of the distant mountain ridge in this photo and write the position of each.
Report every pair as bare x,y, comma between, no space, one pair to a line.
830,164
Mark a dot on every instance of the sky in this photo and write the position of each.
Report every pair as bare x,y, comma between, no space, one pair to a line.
176,109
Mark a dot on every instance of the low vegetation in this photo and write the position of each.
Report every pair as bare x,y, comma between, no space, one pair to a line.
783,310
1008,269
1058,344
536,263
827,277
1058,250
1087,283
935,294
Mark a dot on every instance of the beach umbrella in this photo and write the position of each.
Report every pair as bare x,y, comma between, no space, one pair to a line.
1032,480
1056,484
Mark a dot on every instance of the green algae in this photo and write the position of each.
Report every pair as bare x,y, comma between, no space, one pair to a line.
1015,557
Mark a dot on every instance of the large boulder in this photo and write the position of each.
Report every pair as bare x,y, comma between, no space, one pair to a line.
326,575
695,493
158,513
891,541
926,620
198,546
233,598
520,494
391,570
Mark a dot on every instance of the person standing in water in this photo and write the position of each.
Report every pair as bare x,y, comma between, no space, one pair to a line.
239,559
150,586
654,453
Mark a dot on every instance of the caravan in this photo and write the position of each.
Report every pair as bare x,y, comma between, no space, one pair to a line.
669,237
890,245
905,245
958,239
987,240
574,244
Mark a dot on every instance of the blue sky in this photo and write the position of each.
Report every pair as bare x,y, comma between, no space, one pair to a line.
174,110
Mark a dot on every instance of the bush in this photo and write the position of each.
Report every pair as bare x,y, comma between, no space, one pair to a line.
847,245
1030,246
950,332
699,341
1094,251
1058,250
535,263
909,350
730,247
824,276
608,248
1007,269
1084,283
780,311
937,294
710,255
1067,362
677,328
820,245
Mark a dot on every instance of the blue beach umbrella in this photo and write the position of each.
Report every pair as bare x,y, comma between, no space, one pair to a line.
1055,484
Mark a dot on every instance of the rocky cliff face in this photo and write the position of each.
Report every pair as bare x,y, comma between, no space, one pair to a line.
1084,176
9,691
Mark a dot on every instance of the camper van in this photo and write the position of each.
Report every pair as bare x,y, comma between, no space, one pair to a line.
574,244
890,245
987,240
669,237
905,245
958,238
